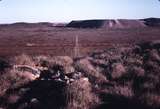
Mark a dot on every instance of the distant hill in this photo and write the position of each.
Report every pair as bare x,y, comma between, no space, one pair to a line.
119,23
100,23
152,22
86,24
32,25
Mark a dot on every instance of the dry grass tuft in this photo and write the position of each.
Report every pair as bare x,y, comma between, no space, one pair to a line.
118,70
80,95
12,79
151,99
64,61
89,70
23,60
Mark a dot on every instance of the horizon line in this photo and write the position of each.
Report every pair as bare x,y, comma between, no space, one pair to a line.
34,22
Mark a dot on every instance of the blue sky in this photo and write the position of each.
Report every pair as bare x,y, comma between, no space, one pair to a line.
67,10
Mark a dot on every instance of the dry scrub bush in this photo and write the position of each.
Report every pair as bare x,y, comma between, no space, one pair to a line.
154,55
151,99
64,61
80,95
89,70
138,71
125,91
11,79
24,60
42,61
118,70
4,64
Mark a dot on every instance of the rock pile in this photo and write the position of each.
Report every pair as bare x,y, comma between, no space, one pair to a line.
58,69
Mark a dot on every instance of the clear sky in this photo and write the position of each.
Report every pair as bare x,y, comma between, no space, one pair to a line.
67,10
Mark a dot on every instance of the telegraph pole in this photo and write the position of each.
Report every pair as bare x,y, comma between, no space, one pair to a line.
76,48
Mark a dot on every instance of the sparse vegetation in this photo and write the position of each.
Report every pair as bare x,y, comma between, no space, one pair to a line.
80,95
118,77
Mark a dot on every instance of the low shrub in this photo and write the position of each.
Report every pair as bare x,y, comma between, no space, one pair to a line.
89,71
23,60
80,95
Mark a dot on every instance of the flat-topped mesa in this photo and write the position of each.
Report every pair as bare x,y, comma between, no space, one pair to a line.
152,22
118,23
86,24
